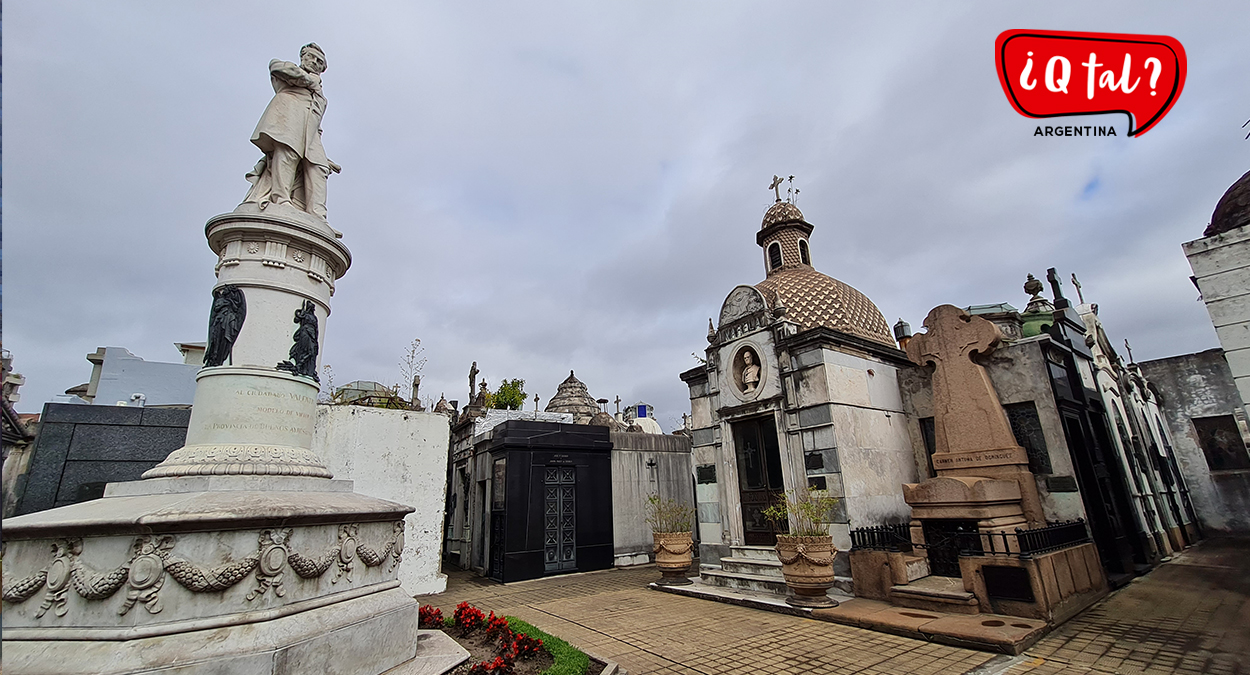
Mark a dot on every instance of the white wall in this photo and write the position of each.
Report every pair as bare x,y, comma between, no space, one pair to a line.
400,455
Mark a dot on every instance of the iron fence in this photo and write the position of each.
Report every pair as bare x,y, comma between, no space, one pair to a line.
1023,543
1052,537
883,537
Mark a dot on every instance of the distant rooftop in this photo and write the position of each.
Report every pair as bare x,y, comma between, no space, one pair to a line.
997,308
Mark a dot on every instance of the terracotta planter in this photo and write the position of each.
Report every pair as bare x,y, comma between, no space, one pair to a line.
807,563
674,552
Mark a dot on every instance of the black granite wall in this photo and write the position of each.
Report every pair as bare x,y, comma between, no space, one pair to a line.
82,447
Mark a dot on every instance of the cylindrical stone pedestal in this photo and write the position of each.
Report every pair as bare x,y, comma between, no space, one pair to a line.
249,417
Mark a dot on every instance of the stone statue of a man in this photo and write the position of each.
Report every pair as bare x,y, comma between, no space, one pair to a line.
295,167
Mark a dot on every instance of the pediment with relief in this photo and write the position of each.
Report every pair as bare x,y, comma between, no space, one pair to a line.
742,301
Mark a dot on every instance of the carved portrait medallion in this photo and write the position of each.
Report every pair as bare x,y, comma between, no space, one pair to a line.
748,371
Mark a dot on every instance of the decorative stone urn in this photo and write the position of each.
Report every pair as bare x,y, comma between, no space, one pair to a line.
674,553
807,564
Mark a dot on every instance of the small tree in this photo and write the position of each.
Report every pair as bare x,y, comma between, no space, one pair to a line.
409,368
509,396
326,395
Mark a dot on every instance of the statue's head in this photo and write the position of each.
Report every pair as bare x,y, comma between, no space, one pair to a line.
312,58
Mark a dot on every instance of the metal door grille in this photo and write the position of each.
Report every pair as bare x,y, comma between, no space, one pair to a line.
559,518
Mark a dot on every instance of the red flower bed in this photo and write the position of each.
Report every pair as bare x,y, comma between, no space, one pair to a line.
494,648
429,616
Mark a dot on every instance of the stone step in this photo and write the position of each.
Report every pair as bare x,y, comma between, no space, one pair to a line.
767,568
746,582
754,552
917,567
935,594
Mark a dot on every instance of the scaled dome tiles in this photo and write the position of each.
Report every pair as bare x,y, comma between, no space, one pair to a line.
814,299
781,212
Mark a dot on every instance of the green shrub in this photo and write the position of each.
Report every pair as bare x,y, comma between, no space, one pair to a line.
812,511
569,660
668,515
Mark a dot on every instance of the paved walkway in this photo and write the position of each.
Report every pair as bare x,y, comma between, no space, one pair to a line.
1191,615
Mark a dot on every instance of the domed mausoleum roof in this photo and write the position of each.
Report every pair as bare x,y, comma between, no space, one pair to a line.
813,299
1233,209
572,397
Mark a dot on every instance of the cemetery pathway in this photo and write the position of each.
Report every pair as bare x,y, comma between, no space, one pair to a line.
1191,615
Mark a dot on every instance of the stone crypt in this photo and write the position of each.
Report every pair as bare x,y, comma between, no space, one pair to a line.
239,553
978,540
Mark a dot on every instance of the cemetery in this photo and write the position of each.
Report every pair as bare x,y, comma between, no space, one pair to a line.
969,489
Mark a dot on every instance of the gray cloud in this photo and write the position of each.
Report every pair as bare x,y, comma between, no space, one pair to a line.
564,186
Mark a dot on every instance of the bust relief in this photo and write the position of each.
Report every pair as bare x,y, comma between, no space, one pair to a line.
747,370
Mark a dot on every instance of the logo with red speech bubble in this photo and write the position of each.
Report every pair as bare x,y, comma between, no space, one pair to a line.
1060,73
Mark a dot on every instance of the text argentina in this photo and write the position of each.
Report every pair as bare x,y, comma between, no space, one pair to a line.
1075,131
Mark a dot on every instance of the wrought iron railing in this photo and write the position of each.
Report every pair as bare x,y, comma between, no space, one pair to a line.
883,537
1052,537
1022,543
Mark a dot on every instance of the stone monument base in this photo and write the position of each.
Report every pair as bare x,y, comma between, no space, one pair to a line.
215,574
993,503
376,633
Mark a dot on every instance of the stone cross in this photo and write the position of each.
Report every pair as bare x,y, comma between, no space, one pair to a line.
775,186
618,405
1079,295
967,414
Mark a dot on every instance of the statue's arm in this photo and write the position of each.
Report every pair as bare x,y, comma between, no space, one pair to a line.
291,73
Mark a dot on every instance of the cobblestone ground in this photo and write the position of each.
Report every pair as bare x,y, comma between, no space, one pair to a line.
1191,615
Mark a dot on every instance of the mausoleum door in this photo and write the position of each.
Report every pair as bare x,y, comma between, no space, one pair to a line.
559,519
1102,492
479,531
760,480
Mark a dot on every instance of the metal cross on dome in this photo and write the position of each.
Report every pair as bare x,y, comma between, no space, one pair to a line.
776,186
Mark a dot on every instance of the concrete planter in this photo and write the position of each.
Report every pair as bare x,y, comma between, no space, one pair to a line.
674,553
807,564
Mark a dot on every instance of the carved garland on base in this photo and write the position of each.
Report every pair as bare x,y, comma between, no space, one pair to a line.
151,560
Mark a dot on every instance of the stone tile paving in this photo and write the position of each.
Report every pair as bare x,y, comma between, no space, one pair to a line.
615,616
1191,615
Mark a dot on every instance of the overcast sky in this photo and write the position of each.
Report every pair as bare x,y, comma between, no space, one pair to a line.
545,187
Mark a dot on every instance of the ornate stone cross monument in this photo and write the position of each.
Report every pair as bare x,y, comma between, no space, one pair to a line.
967,415
975,450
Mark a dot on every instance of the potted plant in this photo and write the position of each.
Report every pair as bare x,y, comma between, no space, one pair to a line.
807,552
670,522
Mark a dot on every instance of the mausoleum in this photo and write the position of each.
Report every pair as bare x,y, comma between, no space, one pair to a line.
799,389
